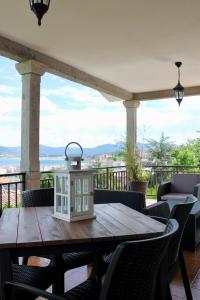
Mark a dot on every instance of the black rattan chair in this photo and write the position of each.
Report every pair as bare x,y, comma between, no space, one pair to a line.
180,212
41,197
39,277
132,273
45,197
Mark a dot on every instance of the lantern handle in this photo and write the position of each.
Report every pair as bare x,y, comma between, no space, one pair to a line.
66,156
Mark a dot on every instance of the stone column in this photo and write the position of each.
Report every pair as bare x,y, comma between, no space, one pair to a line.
31,72
131,121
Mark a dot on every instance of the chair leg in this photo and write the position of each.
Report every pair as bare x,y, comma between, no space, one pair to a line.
185,276
25,260
59,284
169,295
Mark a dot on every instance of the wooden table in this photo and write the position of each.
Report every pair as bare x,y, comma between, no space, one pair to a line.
34,231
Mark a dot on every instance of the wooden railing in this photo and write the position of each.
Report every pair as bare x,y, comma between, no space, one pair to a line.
112,178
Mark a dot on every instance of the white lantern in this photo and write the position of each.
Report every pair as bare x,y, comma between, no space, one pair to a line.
73,193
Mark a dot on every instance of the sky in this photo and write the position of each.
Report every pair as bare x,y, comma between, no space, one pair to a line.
73,112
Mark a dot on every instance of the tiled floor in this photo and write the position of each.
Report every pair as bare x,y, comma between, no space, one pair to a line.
193,267
76,276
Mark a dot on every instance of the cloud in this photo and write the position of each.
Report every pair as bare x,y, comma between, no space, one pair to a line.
180,123
88,126
70,111
76,95
10,104
6,89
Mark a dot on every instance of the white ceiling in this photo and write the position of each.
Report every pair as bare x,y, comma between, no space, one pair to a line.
130,43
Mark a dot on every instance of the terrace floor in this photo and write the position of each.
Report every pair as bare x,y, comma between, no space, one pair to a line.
78,275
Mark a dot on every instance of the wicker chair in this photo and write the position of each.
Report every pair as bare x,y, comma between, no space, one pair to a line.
180,212
132,273
45,197
39,277
180,187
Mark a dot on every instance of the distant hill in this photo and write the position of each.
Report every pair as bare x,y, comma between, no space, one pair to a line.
60,151
9,151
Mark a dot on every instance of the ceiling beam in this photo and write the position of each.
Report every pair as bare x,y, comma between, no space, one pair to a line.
21,53
163,94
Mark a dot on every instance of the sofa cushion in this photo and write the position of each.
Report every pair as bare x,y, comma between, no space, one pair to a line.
175,196
184,183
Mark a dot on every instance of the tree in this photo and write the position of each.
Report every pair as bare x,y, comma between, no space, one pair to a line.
184,156
160,151
188,154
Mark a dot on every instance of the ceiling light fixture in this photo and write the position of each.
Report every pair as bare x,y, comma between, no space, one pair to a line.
39,7
178,89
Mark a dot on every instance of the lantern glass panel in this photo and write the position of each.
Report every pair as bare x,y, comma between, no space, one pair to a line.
85,203
65,205
78,207
65,185
58,184
85,186
77,186
58,204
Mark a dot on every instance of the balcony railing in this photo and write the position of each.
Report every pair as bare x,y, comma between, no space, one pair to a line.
112,178
115,178
11,186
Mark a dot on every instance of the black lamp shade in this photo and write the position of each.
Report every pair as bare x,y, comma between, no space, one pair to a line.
179,92
39,7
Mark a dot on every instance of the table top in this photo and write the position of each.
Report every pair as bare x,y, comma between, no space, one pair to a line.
36,226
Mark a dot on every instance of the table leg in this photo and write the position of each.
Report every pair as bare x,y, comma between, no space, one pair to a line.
5,270
58,286
98,266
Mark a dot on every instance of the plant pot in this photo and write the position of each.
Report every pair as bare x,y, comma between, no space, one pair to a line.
138,186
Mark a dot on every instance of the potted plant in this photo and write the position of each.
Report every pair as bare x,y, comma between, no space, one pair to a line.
137,176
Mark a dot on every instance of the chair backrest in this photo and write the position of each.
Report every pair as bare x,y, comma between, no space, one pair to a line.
41,197
159,209
135,200
184,183
180,212
133,270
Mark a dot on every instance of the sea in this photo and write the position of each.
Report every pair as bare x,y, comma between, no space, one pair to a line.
12,164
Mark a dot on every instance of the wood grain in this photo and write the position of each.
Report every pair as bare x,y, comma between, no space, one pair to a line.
9,227
36,226
28,228
133,220
141,218
50,229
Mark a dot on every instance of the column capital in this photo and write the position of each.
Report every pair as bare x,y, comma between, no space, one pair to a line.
131,103
30,67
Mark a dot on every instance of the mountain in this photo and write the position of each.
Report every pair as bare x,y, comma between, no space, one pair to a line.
94,151
9,151
60,151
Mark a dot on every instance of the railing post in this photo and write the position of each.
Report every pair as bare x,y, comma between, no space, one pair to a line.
107,179
23,181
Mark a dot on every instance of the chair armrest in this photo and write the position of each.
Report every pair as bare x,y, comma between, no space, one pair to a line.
13,291
196,192
159,209
159,219
164,188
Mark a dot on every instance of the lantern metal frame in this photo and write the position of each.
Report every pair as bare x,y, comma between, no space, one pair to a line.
39,7
178,89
